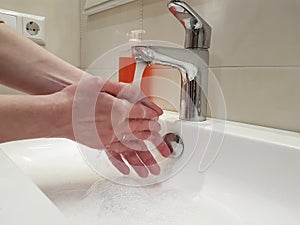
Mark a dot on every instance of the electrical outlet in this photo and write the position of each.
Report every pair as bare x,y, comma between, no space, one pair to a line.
12,19
28,25
9,20
34,28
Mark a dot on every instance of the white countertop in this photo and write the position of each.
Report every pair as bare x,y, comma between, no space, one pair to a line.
21,201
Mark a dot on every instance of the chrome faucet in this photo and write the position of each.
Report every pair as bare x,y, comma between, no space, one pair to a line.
191,61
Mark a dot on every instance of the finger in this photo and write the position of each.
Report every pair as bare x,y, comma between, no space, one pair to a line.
139,111
160,145
115,88
138,136
143,125
147,102
125,138
137,125
130,92
149,161
118,162
145,157
122,108
133,159
120,147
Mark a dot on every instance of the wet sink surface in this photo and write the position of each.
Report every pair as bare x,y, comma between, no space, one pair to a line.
251,177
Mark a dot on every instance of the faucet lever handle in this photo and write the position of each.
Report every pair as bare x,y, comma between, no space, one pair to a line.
198,32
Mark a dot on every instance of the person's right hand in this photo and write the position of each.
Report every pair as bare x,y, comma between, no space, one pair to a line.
115,117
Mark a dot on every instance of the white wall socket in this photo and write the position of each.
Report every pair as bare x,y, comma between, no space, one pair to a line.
34,28
12,19
9,20
28,25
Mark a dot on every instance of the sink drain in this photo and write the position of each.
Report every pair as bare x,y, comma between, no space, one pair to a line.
175,143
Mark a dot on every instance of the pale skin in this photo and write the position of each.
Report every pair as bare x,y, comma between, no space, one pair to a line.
48,110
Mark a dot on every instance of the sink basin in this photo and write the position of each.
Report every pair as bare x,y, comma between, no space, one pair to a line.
229,174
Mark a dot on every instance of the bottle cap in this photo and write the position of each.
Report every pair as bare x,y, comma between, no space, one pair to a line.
136,35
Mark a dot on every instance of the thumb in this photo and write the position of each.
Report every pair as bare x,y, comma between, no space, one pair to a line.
131,93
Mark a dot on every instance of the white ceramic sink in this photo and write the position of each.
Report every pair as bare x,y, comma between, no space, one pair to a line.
228,174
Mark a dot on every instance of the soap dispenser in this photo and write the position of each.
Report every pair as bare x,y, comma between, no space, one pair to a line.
127,62
127,66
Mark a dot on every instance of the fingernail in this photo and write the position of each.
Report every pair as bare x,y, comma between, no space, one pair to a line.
125,170
154,169
142,172
166,150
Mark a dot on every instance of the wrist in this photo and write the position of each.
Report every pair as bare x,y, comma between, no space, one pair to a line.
61,115
28,117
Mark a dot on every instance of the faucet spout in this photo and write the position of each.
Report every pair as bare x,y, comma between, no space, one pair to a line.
194,73
191,61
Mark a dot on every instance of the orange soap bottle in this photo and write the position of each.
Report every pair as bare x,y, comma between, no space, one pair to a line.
146,83
127,63
126,69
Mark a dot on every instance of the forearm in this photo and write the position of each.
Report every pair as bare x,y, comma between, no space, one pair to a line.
30,116
30,68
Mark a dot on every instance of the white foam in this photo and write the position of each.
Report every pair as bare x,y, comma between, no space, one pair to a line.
112,204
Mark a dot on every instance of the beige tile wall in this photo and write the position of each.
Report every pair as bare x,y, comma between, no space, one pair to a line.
267,96
255,51
62,26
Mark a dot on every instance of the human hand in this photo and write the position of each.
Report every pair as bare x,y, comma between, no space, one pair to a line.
117,118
